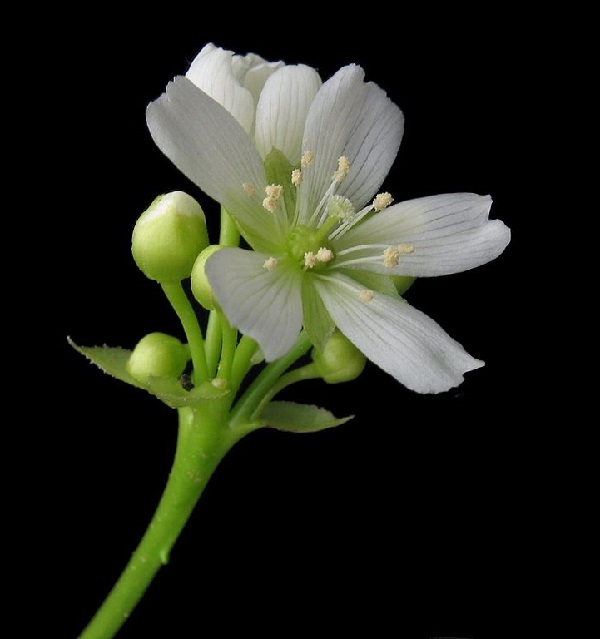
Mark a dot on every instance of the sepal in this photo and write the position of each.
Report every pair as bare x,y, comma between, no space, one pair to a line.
113,361
299,418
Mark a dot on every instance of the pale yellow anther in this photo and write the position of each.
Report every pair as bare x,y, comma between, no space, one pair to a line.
306,159
324,255
310,259
296,177
404,249
270,263
382,201
249,188
219,382
274,190
366,295
391,257
270,203
342,171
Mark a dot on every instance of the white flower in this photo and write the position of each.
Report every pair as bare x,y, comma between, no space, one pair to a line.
326,244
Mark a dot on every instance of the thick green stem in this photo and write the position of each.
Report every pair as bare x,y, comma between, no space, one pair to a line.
187,316
202,443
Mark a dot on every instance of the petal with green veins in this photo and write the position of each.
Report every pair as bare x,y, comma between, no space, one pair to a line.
282,108
209,146
263,303
397,337
356,119
212,72
447,234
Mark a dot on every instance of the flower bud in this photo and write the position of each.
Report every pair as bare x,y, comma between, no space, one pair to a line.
168,236
157,355
339,361
201,288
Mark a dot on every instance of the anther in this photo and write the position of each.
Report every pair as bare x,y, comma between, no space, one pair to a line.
310,259
249,188
273,192
382,201
296,177
306,159
404,249
270,263
391,257
366,295
324,255
342,171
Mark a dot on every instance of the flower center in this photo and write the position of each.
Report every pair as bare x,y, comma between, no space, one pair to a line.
307,247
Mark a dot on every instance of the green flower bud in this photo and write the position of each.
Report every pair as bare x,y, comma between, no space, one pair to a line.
157,355
201,288
339,361
168,236
402,283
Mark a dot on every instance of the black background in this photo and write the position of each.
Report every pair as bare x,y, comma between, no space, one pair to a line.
415,519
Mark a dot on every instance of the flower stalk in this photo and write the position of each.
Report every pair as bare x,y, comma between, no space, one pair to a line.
203,440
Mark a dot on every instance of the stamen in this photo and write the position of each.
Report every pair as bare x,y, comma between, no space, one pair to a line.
249,188
306,159
270,264
404,249
391,257
296,177
274,192
219,382
366,295
342,171
382,201
324,255
310,259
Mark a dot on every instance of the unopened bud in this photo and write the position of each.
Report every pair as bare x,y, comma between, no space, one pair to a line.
168,237
339,361
157,355
201,288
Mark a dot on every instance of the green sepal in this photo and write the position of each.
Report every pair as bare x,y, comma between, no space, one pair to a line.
299,418
317,322
373,281
113,362
278,170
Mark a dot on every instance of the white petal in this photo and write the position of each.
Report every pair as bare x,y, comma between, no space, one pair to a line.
212,72
209,146
449,233
282,109
397,337
356,119
257,74
264,304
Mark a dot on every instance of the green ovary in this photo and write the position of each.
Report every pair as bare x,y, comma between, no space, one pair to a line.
302,240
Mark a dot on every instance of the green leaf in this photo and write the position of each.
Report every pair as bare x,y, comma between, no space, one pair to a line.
299,418
113,362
